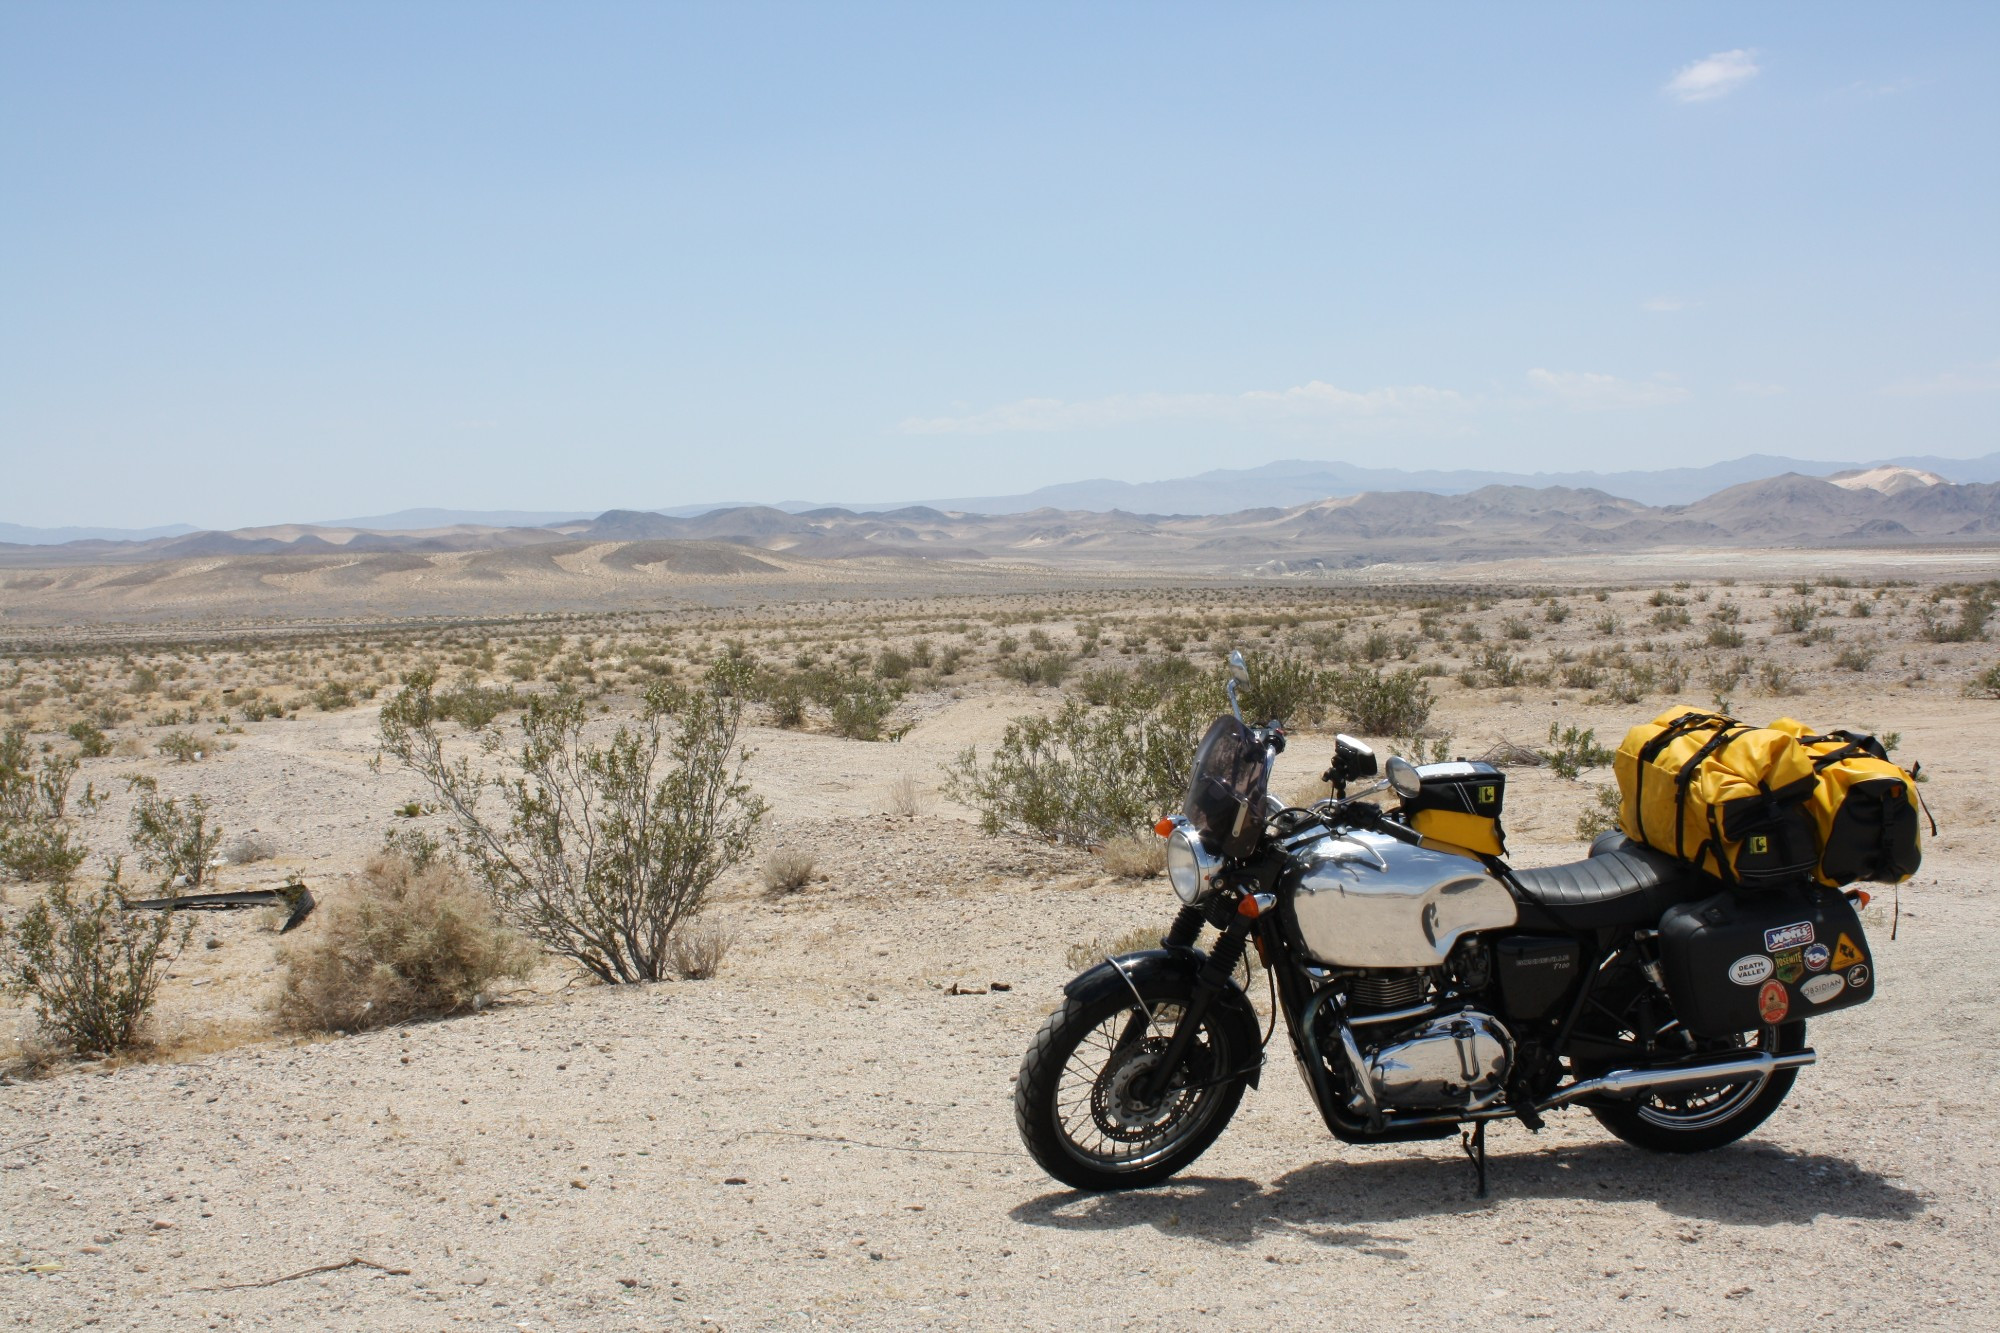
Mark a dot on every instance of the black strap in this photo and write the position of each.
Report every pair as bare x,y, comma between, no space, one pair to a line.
1922,804
1685,779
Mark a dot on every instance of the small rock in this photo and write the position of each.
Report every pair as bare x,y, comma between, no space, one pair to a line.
212,943
735,1180
628,1282
578,1185
162,1224
1003,986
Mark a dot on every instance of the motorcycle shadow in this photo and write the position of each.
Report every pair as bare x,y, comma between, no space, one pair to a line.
1332,1203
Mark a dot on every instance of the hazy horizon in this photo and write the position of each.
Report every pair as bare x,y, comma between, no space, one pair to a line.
270,266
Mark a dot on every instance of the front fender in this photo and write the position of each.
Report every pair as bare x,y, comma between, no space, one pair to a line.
1172,970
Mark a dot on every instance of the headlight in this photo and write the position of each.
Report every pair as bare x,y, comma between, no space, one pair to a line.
1190,869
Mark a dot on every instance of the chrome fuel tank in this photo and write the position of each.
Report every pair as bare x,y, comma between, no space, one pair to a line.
1366,899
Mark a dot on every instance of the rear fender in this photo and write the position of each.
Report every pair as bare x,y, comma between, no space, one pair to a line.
1172,970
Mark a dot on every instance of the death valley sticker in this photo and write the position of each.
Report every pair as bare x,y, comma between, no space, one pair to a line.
1821,989
1750,969
1773,1003
1845,955
1788,937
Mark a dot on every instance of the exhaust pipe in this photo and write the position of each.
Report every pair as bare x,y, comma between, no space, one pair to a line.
1620,1082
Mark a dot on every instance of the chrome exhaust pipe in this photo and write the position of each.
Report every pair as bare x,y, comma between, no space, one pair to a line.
1618,1082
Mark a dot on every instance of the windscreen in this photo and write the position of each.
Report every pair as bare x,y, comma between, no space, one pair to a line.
1230,773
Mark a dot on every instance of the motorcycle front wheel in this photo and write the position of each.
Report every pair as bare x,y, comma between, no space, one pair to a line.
1683,1120
1077,1100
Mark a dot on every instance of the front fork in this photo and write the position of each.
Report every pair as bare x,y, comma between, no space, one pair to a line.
1208,984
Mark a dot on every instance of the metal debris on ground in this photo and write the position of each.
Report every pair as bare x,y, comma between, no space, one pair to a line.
294,895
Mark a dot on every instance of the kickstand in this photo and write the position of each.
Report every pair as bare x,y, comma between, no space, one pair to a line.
1475,1148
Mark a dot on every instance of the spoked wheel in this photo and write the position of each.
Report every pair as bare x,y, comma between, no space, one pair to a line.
1700,1119
1080,1102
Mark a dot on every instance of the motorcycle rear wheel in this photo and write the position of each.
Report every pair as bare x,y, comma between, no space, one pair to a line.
1074,1103
1689,1120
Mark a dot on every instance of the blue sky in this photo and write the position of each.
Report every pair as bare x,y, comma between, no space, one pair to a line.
267,263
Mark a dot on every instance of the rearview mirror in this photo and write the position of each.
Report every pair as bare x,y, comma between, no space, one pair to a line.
1403,777
1239,670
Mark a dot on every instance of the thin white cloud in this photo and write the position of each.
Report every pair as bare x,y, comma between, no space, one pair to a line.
1313,401
1587,391
1713,76
1979,379
1754,389
1667,305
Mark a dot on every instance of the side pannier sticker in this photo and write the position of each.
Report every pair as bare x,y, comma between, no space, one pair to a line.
1816,958
1844,952
1791,964
1857,976
1773,1003
1750,969
1788,937
1821,989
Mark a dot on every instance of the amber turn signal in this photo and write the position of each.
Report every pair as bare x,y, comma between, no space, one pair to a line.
1165,827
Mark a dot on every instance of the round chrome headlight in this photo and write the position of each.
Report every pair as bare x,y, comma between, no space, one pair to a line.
1190,869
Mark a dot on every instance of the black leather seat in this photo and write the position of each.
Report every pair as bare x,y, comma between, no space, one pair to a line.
1620,883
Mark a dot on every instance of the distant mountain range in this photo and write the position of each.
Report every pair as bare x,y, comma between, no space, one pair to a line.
1886,506
1284,484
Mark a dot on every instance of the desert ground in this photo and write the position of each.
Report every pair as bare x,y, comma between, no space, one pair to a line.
822,1133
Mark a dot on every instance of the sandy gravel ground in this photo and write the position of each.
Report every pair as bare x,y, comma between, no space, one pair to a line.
824,1135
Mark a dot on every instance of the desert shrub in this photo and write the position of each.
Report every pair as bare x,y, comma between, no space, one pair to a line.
1499,668
1776,678
90,968
696,951
1570,751
37,803
1855,658
1601,815
179,746
1036,669
1608,626
248,849
1581,676
1517,628
1105,685
859,708
1134,855
1725,636
403,943
1083,775
420,847
475,706
788,869
1967,626
175,841
603,850
1670,617
1795,617
892,665
91,739
906,796
1286,687
1986,684
1555,612
1376,703
333,695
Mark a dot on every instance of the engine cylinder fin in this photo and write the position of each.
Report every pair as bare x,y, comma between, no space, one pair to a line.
1375,991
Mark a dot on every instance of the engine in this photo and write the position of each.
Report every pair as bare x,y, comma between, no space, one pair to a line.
1423,1048
1450,1062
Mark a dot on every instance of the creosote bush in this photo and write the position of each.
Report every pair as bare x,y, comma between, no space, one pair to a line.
1376,703
403,943
175,841
37,839
91,968
598,851
1087,774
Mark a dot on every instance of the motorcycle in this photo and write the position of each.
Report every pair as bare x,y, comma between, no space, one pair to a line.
1427,987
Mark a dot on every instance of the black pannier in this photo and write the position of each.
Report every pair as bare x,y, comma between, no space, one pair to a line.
1735,962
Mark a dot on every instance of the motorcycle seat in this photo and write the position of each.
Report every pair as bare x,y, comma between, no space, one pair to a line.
1619,883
